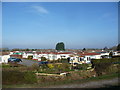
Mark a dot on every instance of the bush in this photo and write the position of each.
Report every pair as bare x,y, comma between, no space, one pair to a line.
63,67
50,66
43,59
64,61
18,77
30,57
35,66
55,68
5,66
83,66
104,65
30,77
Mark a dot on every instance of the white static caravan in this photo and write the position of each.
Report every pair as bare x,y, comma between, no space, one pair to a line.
116,53
26,55
4,58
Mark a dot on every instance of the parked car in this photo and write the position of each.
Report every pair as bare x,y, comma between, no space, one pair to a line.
43,63
14,60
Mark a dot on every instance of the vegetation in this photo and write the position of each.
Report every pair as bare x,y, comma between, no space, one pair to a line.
30,57
118,47
111,54
105,48
84,66
43,59
26,75
61,82
27,49
84,49
4,49
113,48
18,77
104,66
55,68
60,46
64,61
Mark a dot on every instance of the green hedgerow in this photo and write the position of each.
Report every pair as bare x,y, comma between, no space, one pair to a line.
104,65
18,77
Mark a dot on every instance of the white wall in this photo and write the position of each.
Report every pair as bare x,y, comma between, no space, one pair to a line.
102,54
95,57
87,59
65,55
25,55
116,53
4,58
76,59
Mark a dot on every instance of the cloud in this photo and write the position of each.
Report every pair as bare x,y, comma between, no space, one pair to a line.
40,9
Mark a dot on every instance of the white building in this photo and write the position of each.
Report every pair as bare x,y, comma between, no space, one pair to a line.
84,58
80,59
76,59
104,54
117,53
4,58
51,55
26,55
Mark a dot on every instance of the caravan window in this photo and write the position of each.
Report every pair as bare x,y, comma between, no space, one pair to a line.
80,59
88,58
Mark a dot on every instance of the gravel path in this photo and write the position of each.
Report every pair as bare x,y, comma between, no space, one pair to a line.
91,84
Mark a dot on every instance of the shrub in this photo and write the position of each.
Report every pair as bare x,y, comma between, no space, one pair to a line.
113,68
55,68
43,59
75,75
5,66
35,66
83,66
30,57
63,67
64,61
30,77
50,66
18,77
103,65
43,67
13,64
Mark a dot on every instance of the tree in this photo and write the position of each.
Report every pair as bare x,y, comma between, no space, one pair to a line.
84,49
33,49
105,48
5,49
30,57
27,49
60,46
43,59
118,47
113,48
110,54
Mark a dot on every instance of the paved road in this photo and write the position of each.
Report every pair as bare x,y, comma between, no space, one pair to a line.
27,62
91,84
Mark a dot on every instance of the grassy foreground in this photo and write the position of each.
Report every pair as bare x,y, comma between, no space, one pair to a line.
47,84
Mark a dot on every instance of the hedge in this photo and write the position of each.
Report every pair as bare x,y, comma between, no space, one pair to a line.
18,77
104,65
